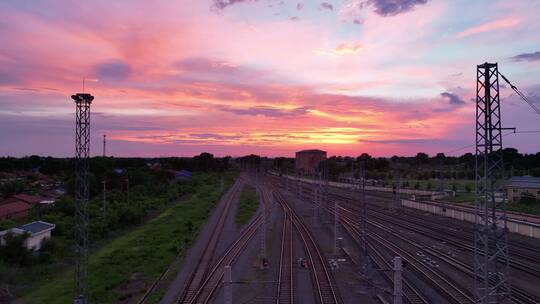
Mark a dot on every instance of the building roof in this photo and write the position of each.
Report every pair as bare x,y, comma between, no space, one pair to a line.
312,151
13,208
524,182
36,227
29,199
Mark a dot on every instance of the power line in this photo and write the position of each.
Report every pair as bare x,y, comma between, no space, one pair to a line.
530,103
509,133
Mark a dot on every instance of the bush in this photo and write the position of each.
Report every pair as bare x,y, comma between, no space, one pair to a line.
14,252
527,199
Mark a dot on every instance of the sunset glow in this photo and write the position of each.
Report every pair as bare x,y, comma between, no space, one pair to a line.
270,77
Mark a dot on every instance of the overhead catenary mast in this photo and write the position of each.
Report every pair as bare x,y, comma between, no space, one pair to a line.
490,233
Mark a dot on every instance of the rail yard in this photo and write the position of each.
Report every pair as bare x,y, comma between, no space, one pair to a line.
314,243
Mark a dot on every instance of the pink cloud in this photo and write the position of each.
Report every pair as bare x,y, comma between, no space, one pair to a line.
504,23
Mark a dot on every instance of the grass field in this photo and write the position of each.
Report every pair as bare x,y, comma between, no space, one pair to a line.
524,208
247,206
126,266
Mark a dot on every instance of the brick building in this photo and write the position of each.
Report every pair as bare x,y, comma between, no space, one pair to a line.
307,161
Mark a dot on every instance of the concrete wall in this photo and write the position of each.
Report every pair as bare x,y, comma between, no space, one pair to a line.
34,241
514,225
368,188
515,194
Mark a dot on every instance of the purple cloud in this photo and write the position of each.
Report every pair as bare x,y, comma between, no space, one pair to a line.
299,6
267,111
453,99
327,6
394,7
222,4
112,70
527,57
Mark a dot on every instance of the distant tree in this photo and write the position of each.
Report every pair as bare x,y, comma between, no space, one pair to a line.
14,252
454,187
421,158
205,161
527,199
468,188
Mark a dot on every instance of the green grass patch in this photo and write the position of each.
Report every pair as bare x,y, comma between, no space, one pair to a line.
126,266
533,208
247,205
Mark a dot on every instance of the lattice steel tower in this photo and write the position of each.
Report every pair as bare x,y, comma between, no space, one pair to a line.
82,187
490,239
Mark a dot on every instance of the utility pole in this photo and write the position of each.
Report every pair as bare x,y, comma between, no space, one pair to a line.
227,285
364,230
297,184
398,272
104,145
127,189
287,179
336,227
104,199
397,188
82,193
441,178
263,226
490,240
315,200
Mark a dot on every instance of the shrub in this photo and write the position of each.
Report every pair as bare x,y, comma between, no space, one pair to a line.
527,199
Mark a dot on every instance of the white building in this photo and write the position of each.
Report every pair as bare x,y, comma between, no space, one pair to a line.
37,233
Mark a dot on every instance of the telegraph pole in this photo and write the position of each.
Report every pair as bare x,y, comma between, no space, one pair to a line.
82,193
336,227
490,240
227,284
287,179
398,273
104,198
104,145
363,222
127,189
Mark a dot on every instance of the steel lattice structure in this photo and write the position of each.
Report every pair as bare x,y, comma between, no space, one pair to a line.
82,187
490,239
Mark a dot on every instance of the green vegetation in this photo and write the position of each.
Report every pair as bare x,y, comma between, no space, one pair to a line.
247,206
125,266
526,204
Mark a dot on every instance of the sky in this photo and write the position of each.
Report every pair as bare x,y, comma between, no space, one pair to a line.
270,77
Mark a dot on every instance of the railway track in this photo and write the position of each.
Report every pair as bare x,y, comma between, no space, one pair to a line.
285,287
204,262
214,279
325,290
452,290
522,256
518,295
410,292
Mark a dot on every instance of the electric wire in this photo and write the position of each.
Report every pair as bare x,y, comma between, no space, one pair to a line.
530,103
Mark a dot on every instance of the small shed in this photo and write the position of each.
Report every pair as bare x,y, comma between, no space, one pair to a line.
37,233
518,186
183,175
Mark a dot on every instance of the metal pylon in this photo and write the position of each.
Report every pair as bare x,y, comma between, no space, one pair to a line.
490,239
82,192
